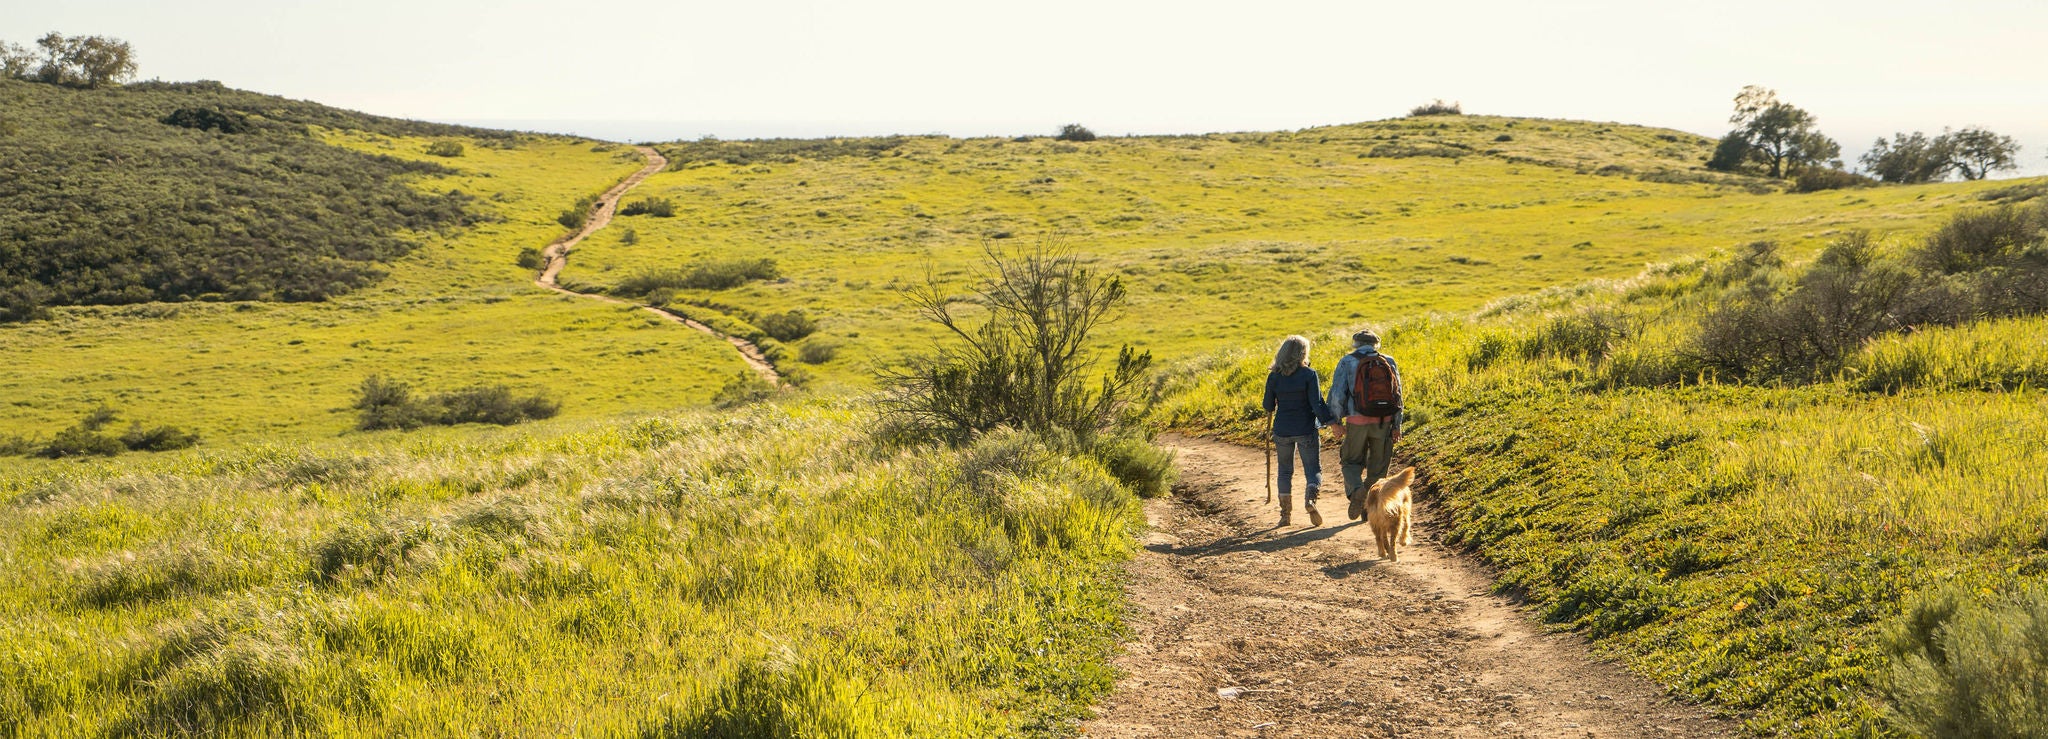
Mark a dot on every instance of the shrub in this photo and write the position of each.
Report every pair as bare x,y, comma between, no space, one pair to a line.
383,404
745,388
531,258
158,439
492,404
573,218
17,445
1074,132
628,236
1436,107
445,149
1027,364
79,441
209,119
718,275
817,351
1816,179
1586,335
1964,669
1144,468
657,207
788,326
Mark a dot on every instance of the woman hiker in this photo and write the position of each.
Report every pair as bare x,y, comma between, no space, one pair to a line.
1294,399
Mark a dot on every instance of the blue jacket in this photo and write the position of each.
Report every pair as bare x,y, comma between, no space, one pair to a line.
1296,401
1341,382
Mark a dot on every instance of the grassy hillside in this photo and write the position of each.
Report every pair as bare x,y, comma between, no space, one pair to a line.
455,310
768,573
1223,239
1751,541
176,192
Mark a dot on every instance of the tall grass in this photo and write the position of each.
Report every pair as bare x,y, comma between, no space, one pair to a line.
771,571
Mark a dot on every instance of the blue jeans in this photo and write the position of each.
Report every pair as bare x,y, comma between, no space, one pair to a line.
1311,463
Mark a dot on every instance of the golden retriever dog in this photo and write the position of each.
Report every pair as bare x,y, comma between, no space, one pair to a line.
1387,506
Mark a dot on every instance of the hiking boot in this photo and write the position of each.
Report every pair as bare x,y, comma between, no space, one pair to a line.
1314,518
1286,509
1357,509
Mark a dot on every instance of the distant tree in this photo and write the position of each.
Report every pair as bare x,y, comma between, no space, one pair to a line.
101,60
1908,158
1075,132
1436,107
81,61
16,60
1975,153
1778,135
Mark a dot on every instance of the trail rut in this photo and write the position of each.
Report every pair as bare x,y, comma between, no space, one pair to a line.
556,256
1323,639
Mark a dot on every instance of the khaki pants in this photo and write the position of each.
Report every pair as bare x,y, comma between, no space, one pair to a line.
1367,451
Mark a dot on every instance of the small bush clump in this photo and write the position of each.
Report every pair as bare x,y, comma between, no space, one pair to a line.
385,404
1816,179
817,351
531,258
657,207
745,388
1436,107
87,439
716,275
1074,132
445,149
788,326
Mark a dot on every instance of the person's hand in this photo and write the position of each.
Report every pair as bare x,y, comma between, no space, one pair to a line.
1396,437
1337,431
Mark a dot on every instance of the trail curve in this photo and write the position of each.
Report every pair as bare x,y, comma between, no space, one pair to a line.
556,256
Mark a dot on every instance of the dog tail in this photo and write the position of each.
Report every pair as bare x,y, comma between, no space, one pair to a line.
1401,479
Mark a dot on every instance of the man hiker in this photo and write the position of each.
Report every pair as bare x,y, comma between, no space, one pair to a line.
1366,390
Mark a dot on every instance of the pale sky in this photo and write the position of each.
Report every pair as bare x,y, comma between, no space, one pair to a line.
682,69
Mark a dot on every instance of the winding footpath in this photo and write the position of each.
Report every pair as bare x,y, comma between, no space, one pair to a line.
1241,629
556,256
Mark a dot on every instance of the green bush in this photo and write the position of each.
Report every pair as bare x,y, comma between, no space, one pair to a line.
1074,132
716,275
1816,179
1436,107
817,351
531,258
1966,669
79,441
445,149
1141,466
745,388
788,326
384,404
657,207
157,439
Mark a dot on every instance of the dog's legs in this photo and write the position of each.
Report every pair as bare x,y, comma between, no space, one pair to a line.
1406,537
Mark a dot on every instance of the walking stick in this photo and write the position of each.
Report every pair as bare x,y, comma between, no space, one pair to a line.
1269,456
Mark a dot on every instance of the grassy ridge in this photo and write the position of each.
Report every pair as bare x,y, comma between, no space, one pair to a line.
763,573
108,202
1222,239
456,311
1748,546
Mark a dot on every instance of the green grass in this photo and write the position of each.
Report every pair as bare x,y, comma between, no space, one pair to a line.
1223,239
1747,546
768,572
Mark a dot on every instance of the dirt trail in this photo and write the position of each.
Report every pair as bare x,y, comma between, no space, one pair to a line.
1324,639
556,256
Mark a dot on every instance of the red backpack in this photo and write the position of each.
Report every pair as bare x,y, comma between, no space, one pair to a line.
1376,387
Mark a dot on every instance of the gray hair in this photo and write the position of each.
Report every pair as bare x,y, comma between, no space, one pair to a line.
1292,355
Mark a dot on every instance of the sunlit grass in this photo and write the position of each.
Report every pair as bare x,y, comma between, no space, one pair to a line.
655,575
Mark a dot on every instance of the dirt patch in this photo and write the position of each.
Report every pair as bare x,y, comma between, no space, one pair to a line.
1306,633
